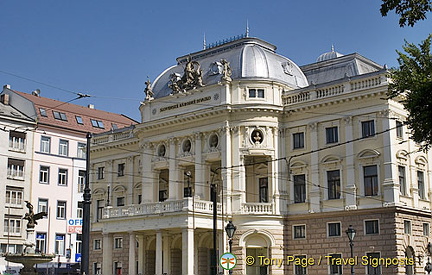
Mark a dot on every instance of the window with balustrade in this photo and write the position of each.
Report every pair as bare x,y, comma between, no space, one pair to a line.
15,169
14,196
17,141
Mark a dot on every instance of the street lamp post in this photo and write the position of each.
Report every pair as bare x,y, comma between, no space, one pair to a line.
351,234
230,229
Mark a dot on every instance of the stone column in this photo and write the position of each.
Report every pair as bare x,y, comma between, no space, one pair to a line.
351,188
107,246
130,173
141,253
166,252
390,187
173,189
314,192
188,251
275,172
199,181
226,162
109,172
159,263
132,260
147,191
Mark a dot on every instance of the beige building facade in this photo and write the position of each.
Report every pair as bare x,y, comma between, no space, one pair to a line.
296,155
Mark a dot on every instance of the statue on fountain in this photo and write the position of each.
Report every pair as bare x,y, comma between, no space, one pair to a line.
31,216
29,258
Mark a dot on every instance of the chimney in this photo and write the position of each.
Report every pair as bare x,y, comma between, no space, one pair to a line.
7,86
91,106
36,92
4,99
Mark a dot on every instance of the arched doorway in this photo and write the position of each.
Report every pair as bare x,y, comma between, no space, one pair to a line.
257,246
409,254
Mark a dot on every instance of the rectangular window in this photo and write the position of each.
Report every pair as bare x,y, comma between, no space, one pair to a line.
299,188
114,126
43,205
100,204
333,184
371,227
120,201
45,145
43,112
44,174
299,231
120,169
97,244
118,242
79,120
12,226
256,93
17,141
407,227
426,230
97,123
370,178
298,268
263,190
64,147
399,129
61,210
334,229
41,242
334,266
421,185
78,243
82,150
15,169
60,244
368,128
402,180
97,269
81,180
59,115
62,177
80,210
101,173
14,196
372,269
332,135
298,140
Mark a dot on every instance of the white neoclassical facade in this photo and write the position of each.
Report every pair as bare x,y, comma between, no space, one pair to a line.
296,155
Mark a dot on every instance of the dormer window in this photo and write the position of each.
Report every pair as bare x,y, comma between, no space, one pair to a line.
59,116
256,93
97,123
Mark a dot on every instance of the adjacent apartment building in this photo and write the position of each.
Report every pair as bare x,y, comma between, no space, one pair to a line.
16,151
296,155
55,172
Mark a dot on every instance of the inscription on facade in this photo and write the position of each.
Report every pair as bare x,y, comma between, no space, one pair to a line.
183,104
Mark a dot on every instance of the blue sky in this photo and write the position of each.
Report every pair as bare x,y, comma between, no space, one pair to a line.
108,48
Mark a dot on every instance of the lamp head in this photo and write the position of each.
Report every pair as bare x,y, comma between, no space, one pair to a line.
350,233
230,229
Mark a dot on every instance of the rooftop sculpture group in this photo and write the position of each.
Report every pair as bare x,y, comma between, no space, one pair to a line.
191,79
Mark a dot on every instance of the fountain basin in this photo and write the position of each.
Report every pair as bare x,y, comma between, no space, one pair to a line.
29,260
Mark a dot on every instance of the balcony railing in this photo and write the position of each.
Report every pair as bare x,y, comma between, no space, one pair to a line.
257,208
185,205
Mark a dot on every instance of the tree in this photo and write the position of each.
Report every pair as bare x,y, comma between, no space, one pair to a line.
410,11
412,81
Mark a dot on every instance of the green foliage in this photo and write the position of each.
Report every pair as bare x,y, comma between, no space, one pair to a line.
413,82
410,11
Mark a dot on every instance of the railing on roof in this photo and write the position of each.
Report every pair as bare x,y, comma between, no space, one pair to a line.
311,93
224,41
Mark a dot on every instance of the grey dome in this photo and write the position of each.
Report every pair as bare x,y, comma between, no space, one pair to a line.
329,55
249,58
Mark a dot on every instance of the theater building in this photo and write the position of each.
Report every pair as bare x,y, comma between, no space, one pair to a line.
296,155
